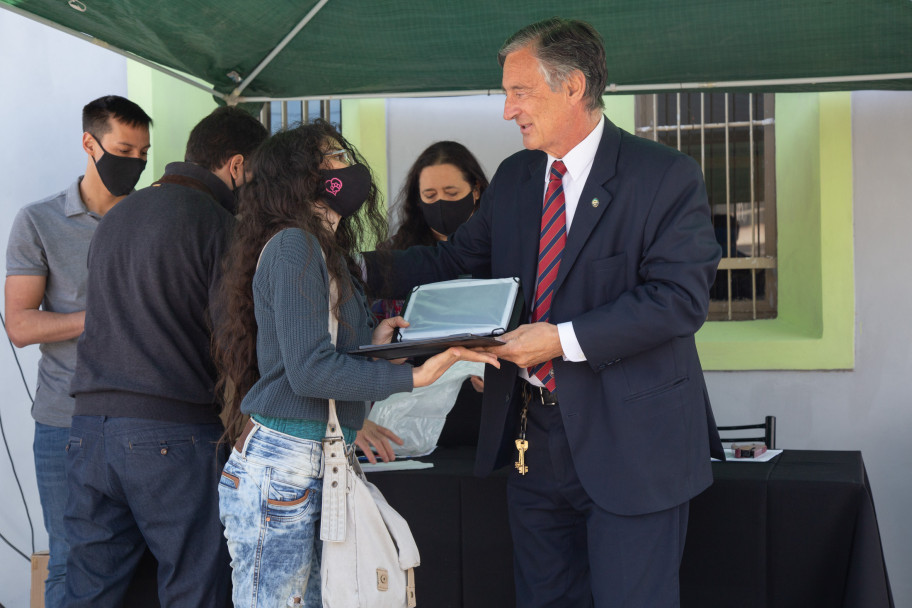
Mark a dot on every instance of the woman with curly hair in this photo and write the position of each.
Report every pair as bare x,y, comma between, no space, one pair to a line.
310,205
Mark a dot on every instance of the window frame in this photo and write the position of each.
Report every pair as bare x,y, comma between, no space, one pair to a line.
649,125
309,109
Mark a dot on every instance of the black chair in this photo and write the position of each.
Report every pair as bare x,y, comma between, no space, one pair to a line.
768,437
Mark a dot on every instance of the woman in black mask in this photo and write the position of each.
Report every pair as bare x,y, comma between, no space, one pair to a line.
310,205
442,190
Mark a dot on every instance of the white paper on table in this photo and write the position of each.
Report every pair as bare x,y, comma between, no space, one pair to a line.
764,457
395,465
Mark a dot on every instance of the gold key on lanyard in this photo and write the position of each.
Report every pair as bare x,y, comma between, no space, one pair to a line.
521,444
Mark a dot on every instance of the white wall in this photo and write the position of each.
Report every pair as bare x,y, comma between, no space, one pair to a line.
475,122
45,77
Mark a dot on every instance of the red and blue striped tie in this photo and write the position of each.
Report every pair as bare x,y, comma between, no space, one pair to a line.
550,247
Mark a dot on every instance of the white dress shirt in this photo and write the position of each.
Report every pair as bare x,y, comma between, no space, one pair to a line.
578,162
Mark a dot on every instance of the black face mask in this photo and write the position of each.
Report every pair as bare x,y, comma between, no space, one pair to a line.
119,174
446,216
236,193
346,189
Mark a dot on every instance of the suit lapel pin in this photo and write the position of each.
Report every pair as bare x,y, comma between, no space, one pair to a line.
595,203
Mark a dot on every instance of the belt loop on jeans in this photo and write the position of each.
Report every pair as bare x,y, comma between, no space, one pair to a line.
241,444
539,394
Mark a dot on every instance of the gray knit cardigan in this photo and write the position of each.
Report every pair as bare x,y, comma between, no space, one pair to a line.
299,367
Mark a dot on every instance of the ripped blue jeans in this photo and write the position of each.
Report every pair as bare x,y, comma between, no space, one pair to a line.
270,496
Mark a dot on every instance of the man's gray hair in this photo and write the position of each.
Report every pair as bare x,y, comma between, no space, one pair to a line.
563,46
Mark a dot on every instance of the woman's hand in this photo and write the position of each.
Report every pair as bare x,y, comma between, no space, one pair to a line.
433,368
383,333
477,383
372,434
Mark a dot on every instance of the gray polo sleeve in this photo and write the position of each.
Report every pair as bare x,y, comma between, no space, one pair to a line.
25,253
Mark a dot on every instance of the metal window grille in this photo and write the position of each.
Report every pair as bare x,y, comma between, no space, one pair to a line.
732,136
278,115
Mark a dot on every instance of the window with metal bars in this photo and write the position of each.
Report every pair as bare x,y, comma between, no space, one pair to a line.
278,115
732,136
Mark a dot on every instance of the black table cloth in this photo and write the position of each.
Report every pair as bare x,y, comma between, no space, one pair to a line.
798,531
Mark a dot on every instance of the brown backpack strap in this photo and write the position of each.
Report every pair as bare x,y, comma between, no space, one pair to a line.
181,180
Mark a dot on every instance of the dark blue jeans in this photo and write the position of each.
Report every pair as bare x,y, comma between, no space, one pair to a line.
49,448
135,483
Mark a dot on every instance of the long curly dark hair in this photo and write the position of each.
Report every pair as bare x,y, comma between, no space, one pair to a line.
413,229
285,184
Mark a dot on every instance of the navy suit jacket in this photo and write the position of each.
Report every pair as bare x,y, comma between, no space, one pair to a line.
634,279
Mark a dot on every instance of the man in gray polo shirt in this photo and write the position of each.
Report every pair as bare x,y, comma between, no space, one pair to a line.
46,292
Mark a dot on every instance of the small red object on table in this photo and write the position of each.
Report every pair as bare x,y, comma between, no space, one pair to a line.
748,450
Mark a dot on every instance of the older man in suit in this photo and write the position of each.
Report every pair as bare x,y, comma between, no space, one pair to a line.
604,395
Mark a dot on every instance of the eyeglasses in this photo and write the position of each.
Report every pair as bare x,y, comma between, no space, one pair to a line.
342,156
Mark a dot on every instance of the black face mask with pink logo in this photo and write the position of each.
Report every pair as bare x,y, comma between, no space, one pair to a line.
346,189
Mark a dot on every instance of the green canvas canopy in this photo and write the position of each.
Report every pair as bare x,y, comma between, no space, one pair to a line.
273,49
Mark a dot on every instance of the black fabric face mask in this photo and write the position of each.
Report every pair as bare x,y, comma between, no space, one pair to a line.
446,216
236,194
346,189
119,174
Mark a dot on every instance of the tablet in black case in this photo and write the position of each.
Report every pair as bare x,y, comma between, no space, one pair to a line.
462,312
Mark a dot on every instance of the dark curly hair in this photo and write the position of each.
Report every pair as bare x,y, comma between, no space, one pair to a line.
281,193
413,229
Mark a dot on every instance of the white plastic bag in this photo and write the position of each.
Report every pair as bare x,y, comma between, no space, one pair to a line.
418,417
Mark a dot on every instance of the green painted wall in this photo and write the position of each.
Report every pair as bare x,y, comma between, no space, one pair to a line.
837,227
175,108
620,109
364,126
816,324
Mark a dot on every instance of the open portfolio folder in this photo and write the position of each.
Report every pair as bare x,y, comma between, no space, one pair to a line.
462,312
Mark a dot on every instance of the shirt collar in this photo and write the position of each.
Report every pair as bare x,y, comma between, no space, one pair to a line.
580,158
73,204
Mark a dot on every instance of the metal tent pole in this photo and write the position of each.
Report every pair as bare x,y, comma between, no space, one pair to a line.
236,93
633,88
